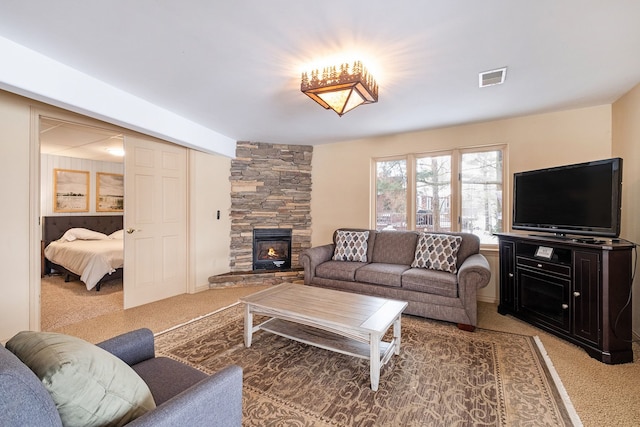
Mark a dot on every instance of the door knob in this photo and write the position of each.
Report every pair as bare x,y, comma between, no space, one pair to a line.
565,306
131,230
576,294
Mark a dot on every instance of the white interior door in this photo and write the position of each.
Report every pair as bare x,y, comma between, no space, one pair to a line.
155,221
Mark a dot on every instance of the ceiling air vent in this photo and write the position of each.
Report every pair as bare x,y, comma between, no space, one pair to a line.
493,77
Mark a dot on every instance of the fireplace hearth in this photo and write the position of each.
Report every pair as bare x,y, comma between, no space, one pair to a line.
271,248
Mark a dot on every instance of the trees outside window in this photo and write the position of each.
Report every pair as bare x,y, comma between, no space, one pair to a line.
460,190
433,193
391,194
481,194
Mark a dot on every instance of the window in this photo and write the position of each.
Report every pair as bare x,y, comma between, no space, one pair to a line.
391,194
433,193
481,194
421,192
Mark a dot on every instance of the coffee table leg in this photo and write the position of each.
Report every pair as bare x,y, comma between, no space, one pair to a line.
396,334
374,361
248,325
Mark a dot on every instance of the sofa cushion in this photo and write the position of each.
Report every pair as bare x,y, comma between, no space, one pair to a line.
395,247
89,385
431,282
167,377
339,270
351,246
381,274
437,252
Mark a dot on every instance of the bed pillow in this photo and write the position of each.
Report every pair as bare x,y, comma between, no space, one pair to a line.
89,385
117,235
82,234
351,246
437,252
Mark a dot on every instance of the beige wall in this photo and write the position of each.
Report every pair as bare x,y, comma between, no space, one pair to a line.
210,236
341,171
15,227
626,144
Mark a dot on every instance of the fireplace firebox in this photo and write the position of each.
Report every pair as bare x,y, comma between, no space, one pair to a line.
271,248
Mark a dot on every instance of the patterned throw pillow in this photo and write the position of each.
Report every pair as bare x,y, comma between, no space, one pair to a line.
351,246
437,252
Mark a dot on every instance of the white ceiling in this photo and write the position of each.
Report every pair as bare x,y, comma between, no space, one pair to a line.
61,138
234,66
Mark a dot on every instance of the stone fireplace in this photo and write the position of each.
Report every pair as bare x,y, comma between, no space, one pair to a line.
271,248
270,189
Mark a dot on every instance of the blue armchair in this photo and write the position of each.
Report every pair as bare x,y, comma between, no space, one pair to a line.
183,395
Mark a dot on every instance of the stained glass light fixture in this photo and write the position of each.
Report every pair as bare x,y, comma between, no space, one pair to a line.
341,88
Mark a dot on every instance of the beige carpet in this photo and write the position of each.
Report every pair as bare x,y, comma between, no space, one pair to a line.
442,377
65,303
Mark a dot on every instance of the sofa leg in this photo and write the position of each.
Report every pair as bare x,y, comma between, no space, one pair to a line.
465,327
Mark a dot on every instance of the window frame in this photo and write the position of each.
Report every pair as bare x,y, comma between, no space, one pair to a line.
456,185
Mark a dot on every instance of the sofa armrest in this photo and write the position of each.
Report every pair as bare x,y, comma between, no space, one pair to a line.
214,401
132,347
313,257
474,272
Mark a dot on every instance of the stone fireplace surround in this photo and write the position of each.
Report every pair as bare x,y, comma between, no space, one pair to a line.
270,188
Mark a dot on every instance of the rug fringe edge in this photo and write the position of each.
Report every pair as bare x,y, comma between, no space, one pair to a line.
575,418
196,319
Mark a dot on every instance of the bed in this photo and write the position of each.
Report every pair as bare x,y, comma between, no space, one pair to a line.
84,255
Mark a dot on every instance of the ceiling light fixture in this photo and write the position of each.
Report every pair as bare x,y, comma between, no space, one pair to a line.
116,151
340,88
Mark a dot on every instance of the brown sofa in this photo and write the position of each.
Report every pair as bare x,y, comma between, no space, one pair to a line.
387,273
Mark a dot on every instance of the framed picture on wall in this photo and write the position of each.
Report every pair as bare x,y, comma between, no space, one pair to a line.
70,190
109,192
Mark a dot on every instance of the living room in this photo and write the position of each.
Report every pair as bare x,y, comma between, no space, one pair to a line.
342,176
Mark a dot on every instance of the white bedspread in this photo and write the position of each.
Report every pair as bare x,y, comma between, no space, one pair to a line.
89,259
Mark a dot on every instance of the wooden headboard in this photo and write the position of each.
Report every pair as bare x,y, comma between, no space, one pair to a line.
55,226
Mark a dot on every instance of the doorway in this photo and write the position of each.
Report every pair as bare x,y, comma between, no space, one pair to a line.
95,153
156,196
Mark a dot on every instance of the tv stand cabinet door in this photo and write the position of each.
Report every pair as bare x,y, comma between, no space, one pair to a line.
587,297
508,300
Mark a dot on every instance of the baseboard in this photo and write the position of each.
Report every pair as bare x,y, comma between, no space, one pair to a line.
201,288
486,299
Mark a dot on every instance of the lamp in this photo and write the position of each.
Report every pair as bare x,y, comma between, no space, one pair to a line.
341,89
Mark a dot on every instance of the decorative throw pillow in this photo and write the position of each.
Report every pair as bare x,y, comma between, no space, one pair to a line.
437,252
117,235
90,386
351,246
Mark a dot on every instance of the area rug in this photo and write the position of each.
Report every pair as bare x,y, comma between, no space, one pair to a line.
443,377
65,303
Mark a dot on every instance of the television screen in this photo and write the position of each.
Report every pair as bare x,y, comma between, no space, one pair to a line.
581,199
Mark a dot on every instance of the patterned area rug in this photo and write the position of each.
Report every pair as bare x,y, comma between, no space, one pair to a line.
443,377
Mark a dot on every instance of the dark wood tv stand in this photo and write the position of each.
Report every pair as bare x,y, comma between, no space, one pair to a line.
575,290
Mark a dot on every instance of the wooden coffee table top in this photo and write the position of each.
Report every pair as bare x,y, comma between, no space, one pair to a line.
344,310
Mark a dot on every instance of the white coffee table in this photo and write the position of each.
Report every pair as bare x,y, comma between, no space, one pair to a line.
353,324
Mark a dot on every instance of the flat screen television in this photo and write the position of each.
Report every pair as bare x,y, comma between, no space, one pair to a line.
581,199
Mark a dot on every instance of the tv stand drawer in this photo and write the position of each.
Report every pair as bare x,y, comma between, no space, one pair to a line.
544,266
